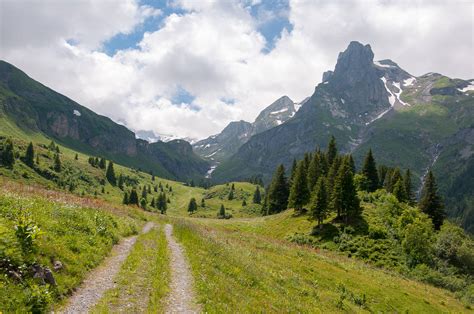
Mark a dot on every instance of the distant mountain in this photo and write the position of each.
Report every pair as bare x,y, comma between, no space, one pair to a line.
35,108
410,122
221,146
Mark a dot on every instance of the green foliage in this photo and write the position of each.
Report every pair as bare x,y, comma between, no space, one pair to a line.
299,193
332,150
110,174
344,198
7,153
431,203
30,155
161,203
369,170
257,197
133,199
27,232
57,163
319,201
192,206
416,233
277,195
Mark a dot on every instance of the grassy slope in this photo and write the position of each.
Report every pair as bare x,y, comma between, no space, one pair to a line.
244,272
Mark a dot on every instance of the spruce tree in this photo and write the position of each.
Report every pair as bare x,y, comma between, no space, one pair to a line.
231,195
30,155
8,154
299,193
344,198
125,198
352,163
293,171
431,203
221,213
143,203
110,174
332,173
192,206
399,191
133,199
120,182
144,193
57,163
410,197
203,203
314,171
277,192
392,177
331,151
257,197
152,203
102,163
76,157
369,170
319,201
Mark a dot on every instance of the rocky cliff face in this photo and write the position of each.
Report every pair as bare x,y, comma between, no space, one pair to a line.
221,146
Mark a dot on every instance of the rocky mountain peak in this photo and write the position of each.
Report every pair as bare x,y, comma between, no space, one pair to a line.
354,63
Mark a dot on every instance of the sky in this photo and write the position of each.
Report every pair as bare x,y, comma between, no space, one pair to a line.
187,68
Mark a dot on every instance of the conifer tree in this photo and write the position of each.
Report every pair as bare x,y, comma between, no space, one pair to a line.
143,203
399,190
410,197
102,163
257,197
277,196
192,206
155,188
120,181
299,193
314,171
57,163
431,203
133,199
231,195
152,203
382,171
319,201
344,198
7,157
76,157
369,169
323,163
244,203
331,151
110,174
203,203
332,173
52,146
30,155
125,200
392,178
221,213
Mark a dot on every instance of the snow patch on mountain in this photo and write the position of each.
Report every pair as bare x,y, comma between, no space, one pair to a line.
279,111
409,81
467,88
397,85
377,63
391,97
76,113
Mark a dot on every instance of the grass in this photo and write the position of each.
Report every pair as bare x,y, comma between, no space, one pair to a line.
78,236
246,272
142,282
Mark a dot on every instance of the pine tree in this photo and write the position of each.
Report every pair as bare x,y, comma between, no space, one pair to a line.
133,199
149,189
102,163
399,191
369,170
393,176
52,146
431,203
203,203
344,198
152,203
332,173
382,170
120,181
8,154
231,195
277,192
192,206
331,151
352,164
143,203
319,201
299,193
57,163
110,174
76,157
221,213
410,197
244,203
257,197
125,200
314,171
30,155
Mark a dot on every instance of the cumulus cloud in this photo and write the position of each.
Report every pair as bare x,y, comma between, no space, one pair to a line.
214,51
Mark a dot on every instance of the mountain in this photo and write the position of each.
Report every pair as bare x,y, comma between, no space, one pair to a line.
411,122
35,108
221,146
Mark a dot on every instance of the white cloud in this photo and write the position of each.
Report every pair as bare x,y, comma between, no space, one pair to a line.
214,51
